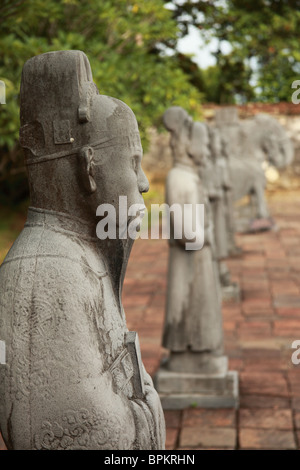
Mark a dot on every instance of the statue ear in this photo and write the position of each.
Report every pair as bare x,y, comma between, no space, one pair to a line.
86,156
194,143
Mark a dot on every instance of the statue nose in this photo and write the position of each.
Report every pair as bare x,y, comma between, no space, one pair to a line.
143,182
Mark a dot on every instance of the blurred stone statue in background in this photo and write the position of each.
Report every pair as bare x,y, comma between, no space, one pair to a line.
253,144
217,181
73,377
229,200
196,371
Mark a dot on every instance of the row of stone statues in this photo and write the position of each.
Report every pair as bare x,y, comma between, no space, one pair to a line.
196,371
72,377
214,165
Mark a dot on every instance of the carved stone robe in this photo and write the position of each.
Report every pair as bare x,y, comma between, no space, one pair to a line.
193,312
70,380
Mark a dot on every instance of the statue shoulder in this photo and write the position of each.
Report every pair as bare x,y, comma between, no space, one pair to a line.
52,262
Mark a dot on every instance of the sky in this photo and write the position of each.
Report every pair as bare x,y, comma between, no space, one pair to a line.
194,44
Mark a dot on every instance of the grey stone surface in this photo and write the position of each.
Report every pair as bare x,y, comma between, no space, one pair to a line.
250,143
73,377
227,115
193,331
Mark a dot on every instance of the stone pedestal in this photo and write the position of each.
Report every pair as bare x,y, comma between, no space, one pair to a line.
179,390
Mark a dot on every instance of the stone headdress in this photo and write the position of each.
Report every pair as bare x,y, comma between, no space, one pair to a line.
62,110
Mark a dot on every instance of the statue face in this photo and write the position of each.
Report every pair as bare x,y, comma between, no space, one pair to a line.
120,173
175,118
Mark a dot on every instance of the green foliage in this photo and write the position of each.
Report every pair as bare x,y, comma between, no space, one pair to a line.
227,82
264,37
276,77
122,39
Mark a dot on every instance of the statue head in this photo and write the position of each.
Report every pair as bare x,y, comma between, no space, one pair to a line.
199,143
81,148
177,121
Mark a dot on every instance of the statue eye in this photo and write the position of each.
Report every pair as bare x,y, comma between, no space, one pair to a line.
135,163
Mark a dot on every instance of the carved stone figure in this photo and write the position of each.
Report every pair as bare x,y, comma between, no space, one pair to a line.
229,201
196,370
186,326
250,142
73,377
217,181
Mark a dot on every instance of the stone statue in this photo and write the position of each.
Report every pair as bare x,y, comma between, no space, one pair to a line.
229,201
217,181
185,327
196,369
73,377
251,142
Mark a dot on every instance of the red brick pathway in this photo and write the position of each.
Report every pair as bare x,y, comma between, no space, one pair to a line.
259,332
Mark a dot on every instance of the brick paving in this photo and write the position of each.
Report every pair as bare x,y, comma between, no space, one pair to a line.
259,331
